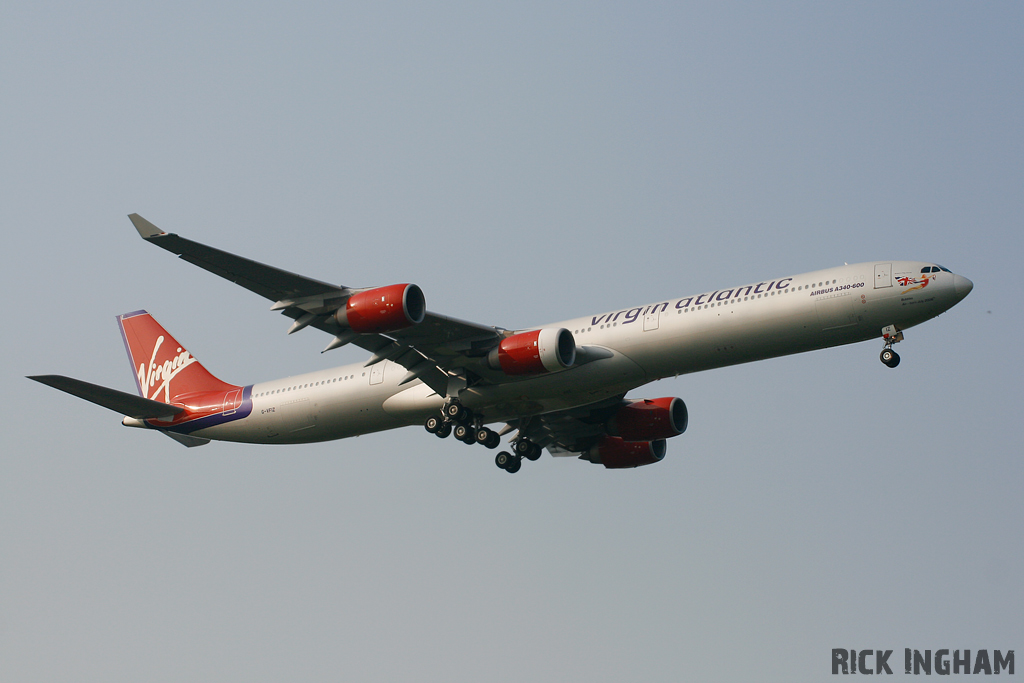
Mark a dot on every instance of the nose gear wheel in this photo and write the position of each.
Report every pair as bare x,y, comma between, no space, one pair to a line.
889,358
892,335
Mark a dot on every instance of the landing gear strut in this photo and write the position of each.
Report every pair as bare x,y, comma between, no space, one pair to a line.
891,335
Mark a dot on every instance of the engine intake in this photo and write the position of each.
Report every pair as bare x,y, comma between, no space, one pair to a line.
534,353
615,453
383,309
649,420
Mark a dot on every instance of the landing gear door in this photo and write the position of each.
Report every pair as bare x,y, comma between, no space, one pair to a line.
883,275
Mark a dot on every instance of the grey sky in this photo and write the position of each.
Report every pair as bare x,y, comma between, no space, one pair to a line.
522,164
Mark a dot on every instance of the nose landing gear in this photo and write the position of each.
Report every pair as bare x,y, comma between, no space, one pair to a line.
889,357
891,335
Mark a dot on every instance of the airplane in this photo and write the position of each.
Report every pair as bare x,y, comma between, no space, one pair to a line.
561,386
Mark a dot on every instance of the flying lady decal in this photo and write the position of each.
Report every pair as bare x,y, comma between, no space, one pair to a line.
907,281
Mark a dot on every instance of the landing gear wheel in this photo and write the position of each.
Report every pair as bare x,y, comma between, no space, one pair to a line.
502,459
889,357
535,452
522,446
465,434
433,424
456,412
444,430
485,437
514,465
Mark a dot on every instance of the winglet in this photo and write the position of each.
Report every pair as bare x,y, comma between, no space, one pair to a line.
145,228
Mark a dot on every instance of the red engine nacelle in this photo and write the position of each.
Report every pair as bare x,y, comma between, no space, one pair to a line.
384,309
615,453
649,419
533,353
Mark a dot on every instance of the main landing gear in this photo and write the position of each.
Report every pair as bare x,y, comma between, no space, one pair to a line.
521,448
891,335
508,462
456,420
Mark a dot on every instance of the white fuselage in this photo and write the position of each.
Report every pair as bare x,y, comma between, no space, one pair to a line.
641,344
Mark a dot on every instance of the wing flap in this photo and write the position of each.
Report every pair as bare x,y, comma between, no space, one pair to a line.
569,432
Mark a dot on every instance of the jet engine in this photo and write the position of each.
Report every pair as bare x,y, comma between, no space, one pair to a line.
383,309
649,420
615,453
533,353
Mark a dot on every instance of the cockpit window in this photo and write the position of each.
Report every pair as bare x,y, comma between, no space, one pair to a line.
943,268
926,269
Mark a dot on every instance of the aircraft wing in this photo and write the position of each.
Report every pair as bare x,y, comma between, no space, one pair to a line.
273,283
429,350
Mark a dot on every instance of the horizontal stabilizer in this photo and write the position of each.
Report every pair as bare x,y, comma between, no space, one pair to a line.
131,405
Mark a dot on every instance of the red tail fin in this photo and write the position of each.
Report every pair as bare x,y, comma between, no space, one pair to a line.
164,370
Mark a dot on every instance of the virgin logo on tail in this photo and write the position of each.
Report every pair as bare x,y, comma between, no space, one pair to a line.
164,373
164,369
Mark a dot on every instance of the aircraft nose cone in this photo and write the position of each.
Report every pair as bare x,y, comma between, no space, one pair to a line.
962,285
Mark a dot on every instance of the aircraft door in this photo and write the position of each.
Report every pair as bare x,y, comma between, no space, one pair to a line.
651,319
232,400
377,372
883,275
